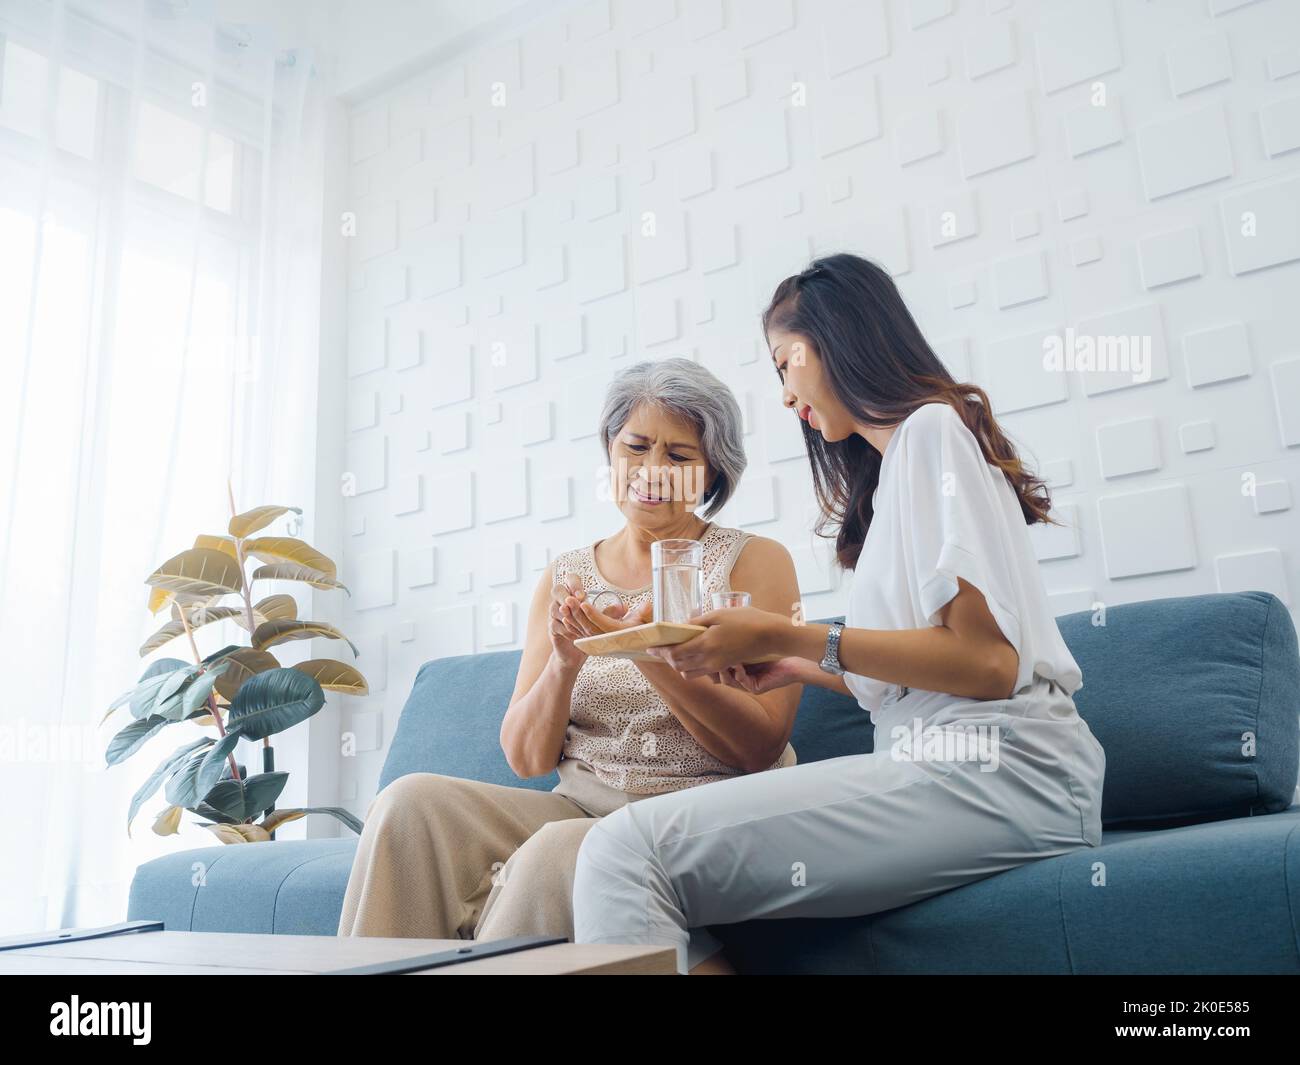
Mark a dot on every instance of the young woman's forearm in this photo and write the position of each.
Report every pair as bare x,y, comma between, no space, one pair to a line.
813,674
730,724
933,659
532,731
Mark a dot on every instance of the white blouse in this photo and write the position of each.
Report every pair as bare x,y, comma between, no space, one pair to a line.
942,512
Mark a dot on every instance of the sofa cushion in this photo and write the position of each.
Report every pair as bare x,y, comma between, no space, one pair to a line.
451,723
1196,701
288,886
1211,898
1174,690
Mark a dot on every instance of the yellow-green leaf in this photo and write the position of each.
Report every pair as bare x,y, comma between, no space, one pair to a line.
277,607
273,549
227,833
199,616
287,571
217,543
161,598
244,663
336,676
274,632
276,818
167,822
199,571
250,521
272,608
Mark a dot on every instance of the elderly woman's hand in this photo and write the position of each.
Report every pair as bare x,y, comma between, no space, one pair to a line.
735,635
594,622
575,617
562,631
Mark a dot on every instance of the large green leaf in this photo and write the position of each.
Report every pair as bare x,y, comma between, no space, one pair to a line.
146,694
132,738
180,789
261,791
210,771
156,777
274,701
196,694
221,816
155,670
163,665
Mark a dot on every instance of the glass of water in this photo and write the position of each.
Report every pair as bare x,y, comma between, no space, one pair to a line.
723,600
677,579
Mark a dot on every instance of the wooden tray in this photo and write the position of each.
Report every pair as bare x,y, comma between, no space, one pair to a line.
632,643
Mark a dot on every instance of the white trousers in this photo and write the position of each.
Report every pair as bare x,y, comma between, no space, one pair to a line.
954,792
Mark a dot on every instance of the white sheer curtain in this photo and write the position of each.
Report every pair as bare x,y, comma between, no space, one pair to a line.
159,278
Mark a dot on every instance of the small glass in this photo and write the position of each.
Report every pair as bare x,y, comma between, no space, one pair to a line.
677,579
724,600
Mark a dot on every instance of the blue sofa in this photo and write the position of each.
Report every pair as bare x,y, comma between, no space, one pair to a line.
1196,701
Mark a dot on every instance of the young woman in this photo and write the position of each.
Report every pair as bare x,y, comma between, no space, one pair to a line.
981,759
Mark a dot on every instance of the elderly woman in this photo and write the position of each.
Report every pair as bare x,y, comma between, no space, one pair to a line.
442,857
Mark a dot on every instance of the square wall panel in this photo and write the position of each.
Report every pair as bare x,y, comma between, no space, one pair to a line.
1174,255
451,502
1184,152
1252,571
1146,532
505,490
1120,349
1261,225
1076,43
995,133
1218,354
374,580
1286,397
1128,447
1017,378
367,464
1051,542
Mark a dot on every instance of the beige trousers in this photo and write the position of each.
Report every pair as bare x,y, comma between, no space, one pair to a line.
446,858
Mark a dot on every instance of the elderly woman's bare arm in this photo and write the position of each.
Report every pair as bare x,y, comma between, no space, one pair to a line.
532,732
742,729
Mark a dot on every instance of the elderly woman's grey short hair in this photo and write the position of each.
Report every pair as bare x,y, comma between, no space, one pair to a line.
688,391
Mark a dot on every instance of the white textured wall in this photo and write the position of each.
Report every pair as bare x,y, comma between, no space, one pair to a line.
499,276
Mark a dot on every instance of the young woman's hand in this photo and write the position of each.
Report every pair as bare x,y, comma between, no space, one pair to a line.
759,677
735,635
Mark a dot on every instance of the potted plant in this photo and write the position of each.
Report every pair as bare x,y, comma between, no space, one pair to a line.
241,692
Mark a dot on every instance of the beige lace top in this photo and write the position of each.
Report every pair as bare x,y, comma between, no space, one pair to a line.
618,724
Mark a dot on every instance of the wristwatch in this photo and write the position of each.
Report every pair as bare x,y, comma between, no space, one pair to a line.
830,662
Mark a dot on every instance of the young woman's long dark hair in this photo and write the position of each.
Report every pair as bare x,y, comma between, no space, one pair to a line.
881,368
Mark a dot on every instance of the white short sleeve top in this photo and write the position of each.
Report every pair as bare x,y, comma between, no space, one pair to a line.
942,511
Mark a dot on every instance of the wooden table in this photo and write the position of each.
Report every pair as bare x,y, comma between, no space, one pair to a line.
237,953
